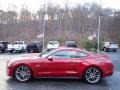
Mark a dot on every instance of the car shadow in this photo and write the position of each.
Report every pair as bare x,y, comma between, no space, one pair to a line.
70,81
55,84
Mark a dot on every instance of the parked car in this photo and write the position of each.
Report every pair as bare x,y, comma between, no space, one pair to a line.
71,44
110,46
61,62
34,47
3,46
52,45
18,46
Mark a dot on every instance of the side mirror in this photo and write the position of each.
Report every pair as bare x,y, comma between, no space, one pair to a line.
50,58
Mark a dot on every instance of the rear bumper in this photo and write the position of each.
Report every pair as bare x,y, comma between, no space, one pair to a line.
108,73
112,48
108,70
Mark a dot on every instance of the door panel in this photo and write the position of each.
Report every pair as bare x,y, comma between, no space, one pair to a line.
57,67
63,66
64,63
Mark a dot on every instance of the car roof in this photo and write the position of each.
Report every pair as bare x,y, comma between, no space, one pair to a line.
71,48
53,41
3,41
70,41
67,48
19,41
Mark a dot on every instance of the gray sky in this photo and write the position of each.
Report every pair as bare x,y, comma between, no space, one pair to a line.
34,5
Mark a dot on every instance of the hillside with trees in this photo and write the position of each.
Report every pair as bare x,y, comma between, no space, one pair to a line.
63,23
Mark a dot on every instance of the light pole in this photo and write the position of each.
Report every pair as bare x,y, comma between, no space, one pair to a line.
44,27
98,38
99,27
44,24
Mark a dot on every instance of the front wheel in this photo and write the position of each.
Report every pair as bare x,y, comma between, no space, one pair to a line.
22,50
28,51
92,75
22,73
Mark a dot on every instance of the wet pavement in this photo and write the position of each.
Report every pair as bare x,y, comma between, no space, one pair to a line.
108,83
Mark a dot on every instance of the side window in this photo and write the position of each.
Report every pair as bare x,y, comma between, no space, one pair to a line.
64,54
4,43
80,54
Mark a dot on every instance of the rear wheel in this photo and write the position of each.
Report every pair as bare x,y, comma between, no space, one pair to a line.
92,75
105,49
11,51
4,50
36,50
28,50
115,50
22,73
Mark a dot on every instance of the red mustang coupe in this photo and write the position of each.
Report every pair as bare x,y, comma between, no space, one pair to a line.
61,62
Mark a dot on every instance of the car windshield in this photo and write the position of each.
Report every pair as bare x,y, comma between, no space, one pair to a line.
112,43
44,53
67,42
53,42
18,43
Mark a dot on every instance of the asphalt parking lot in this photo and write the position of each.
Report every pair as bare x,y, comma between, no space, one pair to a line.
108,83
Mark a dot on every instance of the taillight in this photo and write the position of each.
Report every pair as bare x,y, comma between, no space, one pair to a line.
105,55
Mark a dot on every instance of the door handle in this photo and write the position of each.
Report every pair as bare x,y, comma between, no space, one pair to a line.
72,61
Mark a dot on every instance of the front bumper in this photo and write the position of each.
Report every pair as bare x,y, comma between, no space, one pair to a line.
14,50
108,73
9,71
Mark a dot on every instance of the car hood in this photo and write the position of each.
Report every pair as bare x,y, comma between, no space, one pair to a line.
26,58
23,59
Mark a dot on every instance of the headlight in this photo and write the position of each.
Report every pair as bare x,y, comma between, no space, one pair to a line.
9,63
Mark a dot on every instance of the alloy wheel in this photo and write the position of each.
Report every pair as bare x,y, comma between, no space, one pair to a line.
22,73
92,75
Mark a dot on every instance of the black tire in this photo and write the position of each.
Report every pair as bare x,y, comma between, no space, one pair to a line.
36,51
23,73
115,50
105,50
28,50
4,50
19,51
92,75
11,51
22,50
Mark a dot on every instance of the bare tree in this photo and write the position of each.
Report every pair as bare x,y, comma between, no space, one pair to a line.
11,16
25,14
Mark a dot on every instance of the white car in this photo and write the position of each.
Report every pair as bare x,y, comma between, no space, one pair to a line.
110,46
52,45
18,46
